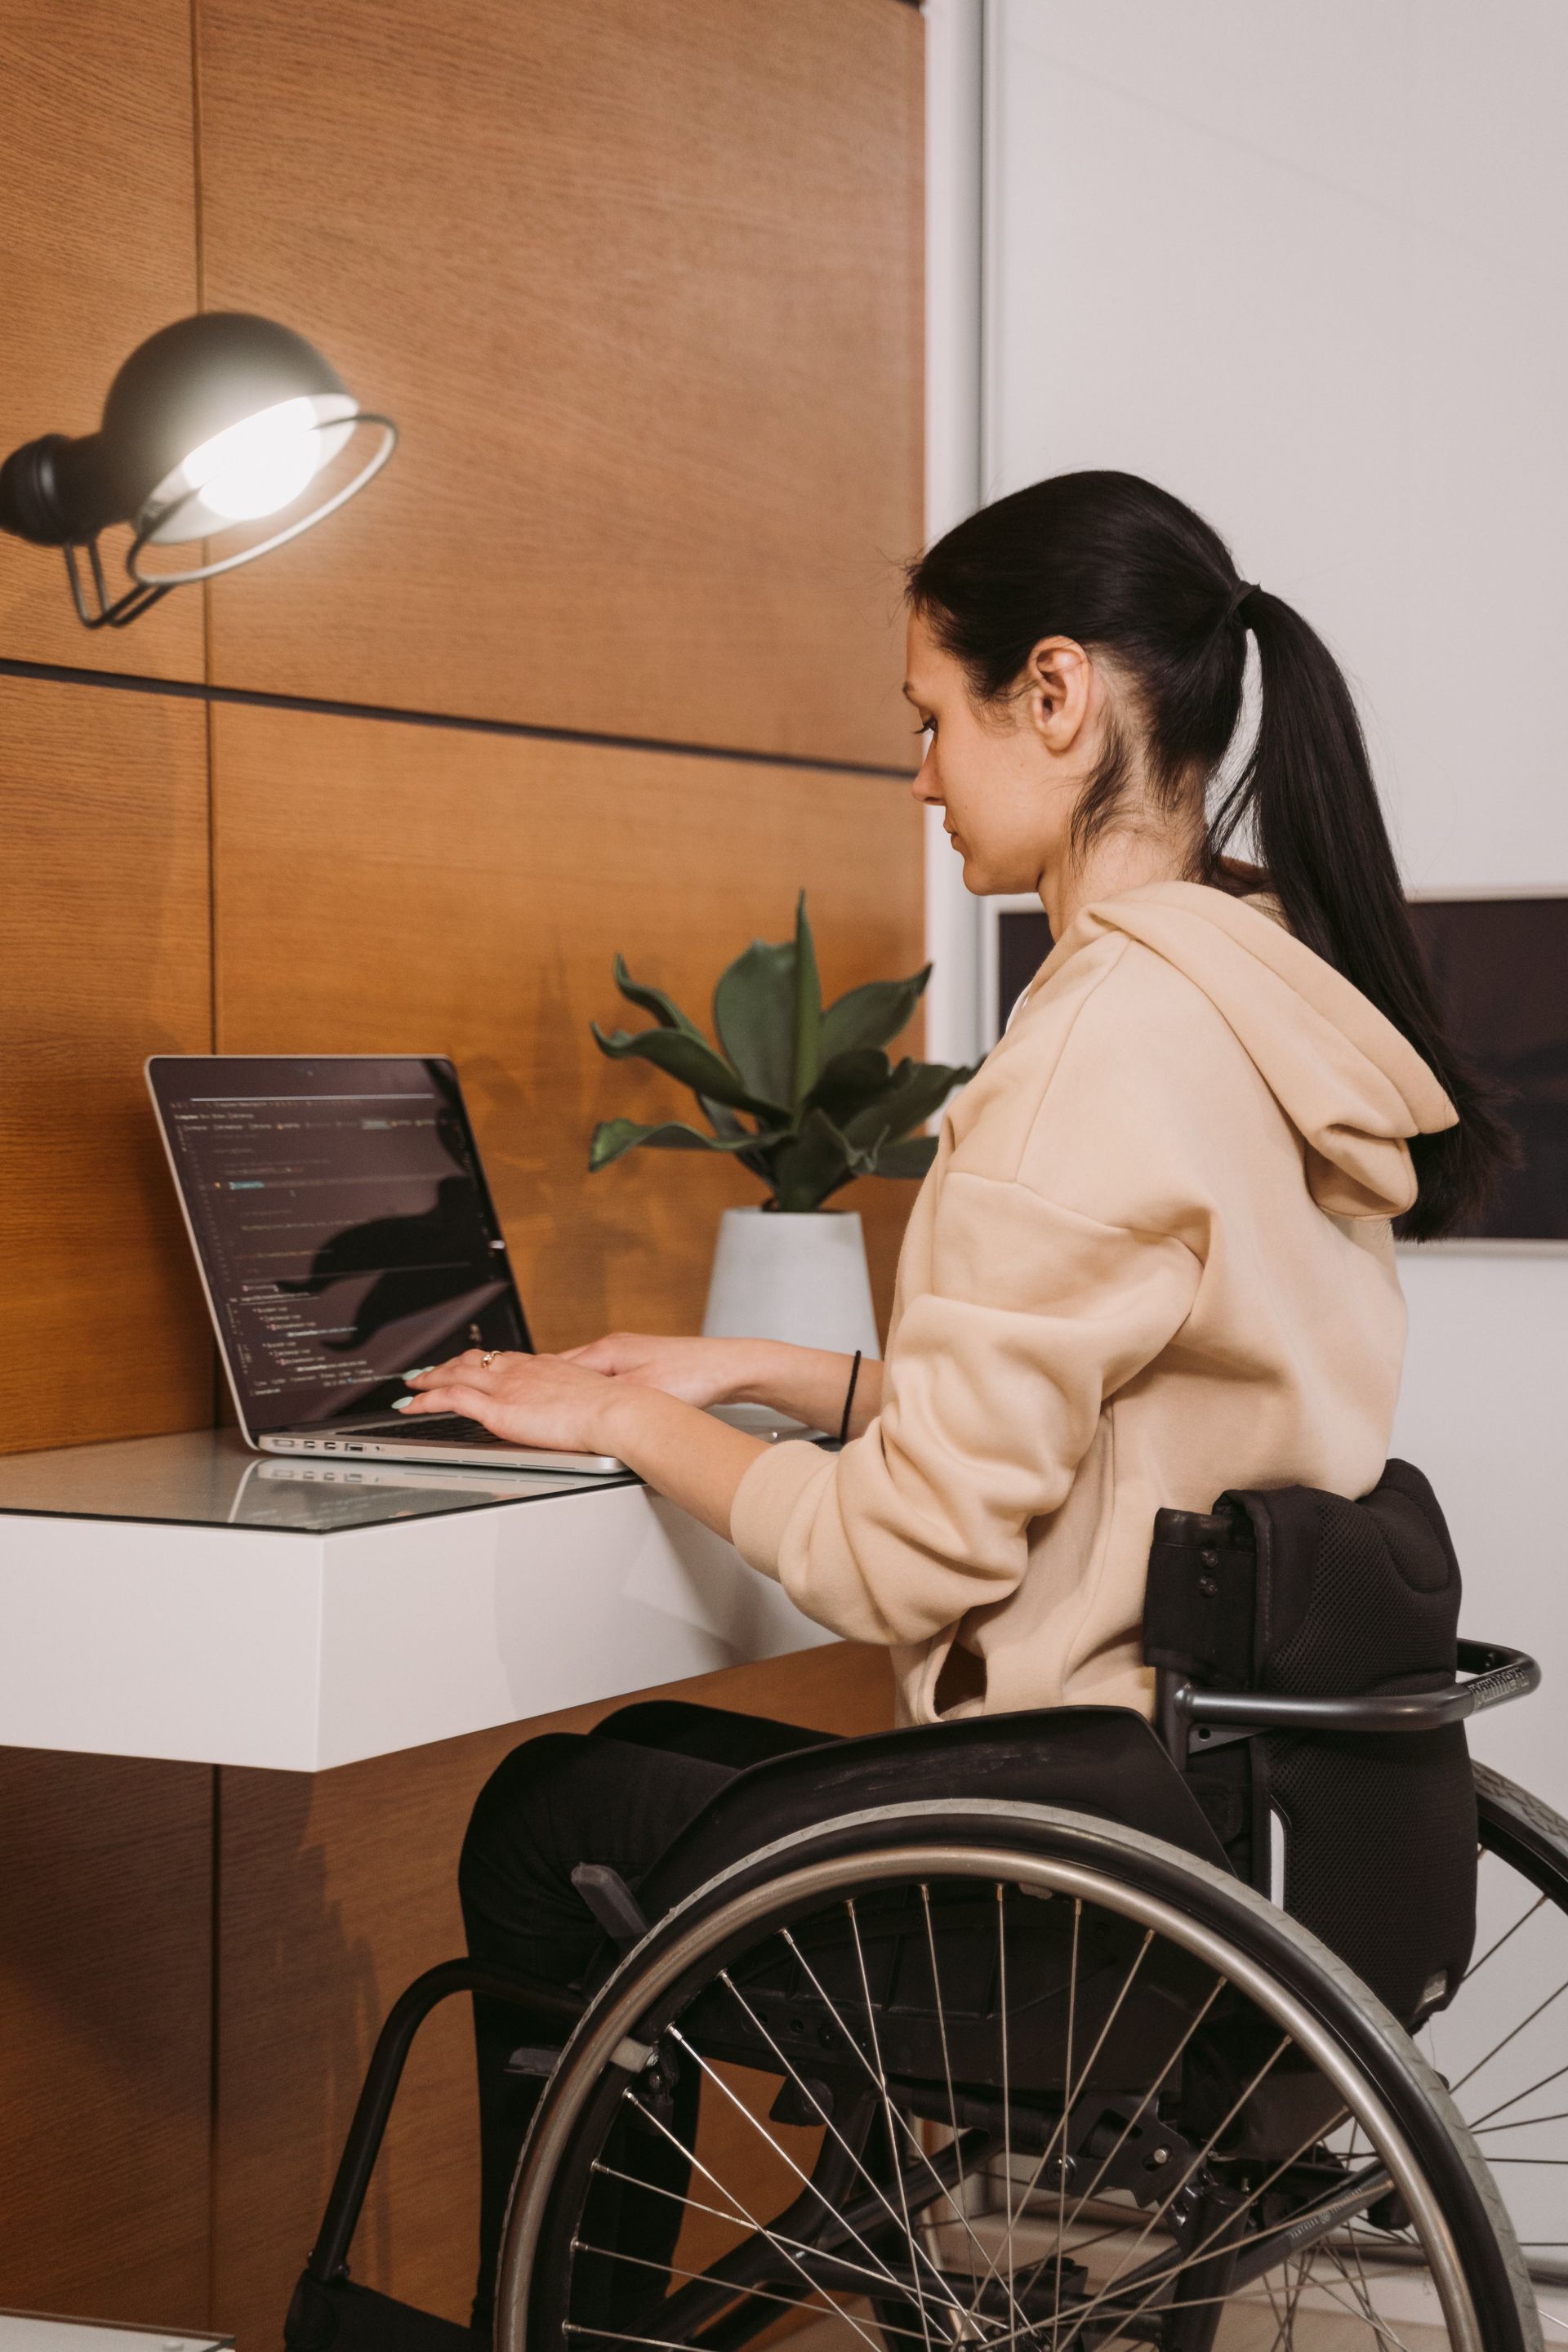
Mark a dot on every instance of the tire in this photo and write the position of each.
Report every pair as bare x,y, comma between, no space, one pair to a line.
1350,2066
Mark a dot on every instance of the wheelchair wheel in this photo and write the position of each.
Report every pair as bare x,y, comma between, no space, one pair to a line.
997,2075
1502,2043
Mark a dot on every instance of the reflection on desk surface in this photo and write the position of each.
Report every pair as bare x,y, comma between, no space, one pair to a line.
209,1477
31,2331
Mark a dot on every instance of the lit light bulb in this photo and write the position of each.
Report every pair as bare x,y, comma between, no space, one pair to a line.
260,464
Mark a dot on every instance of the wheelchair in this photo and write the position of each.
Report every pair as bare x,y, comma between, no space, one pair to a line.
1063,2030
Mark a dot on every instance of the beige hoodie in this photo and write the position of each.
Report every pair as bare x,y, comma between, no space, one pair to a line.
1153,1260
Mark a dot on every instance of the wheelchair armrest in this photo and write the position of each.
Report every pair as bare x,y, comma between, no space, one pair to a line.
1184,1712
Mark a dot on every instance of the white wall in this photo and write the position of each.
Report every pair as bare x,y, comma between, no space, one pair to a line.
955,1014
1306,267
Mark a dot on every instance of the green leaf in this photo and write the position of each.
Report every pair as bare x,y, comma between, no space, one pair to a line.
850,1083
722,1118
693,1061
612,1136
911,1157
807,1058
810,1164
872,1015
918,1091
754,1015
664,1009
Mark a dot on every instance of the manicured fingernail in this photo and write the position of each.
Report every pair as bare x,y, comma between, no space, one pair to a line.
417,1373
401,1404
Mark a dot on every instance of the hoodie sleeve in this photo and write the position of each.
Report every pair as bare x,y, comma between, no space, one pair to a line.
1035,1315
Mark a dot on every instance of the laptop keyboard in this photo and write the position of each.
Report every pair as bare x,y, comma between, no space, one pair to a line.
442,1428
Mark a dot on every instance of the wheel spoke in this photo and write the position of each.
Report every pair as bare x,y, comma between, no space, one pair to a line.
828,2001
1151,2094
742,2213
1072,2092
831,2128
875,2280
699,2278
1521,2123
899,2286
1513,2036
1477,1966
1068,2095
916,2250
1188,2255
1360,2307
1007,2099
972,2245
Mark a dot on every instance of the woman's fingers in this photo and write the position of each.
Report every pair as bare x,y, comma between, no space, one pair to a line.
460,1397
470,1366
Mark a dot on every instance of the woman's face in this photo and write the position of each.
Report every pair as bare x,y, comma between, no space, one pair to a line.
1007,778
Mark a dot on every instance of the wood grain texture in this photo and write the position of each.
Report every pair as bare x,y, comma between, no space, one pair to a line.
98,197
336,1892
642,288
104,959
394,890
105,1992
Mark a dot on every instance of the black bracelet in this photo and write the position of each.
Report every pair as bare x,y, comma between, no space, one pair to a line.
850,1399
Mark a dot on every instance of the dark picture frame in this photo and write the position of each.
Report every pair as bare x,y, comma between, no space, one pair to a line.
1498,962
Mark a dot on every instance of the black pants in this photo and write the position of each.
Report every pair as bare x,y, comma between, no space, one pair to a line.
619,1795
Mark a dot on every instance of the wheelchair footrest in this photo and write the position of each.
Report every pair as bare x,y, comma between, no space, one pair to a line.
346,2317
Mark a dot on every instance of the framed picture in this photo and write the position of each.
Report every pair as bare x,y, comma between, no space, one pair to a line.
1015,941
1500,963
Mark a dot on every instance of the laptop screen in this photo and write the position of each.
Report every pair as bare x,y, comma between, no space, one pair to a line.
342,1225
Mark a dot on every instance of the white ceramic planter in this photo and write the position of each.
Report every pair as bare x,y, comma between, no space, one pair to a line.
802,1278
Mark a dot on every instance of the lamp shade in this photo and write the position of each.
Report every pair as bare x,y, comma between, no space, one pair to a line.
175,395
215,420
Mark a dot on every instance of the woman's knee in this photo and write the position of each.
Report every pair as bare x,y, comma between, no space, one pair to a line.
501,1843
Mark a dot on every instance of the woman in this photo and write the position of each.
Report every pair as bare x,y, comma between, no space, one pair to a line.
1154,1255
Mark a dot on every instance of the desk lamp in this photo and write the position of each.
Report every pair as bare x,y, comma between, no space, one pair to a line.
213,422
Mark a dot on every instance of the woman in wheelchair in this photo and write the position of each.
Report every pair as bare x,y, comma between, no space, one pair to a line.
1030,2060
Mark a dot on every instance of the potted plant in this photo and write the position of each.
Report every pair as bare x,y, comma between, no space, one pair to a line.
805,1098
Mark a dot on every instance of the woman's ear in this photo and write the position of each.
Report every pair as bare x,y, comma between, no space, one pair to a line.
1060,688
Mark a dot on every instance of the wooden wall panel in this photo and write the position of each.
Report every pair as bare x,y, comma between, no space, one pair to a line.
336,1892
104,959
98,197
386,889
642,287
105,2044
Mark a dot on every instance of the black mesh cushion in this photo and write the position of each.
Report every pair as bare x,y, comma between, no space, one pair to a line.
1353,1597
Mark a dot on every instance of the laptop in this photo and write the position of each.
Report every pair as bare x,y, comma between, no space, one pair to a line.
345,1234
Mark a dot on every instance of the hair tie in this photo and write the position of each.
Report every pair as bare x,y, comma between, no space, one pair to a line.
1238,596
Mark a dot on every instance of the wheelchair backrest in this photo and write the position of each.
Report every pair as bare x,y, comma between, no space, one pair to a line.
1369,1839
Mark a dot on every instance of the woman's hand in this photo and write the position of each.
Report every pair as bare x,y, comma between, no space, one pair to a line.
550,1401
698,1371
533,1400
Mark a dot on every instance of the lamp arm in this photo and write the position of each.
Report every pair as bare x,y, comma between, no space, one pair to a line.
127,608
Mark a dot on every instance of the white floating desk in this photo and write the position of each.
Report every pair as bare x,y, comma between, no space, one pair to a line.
183,1598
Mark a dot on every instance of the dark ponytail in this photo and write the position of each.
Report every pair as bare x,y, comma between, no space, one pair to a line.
1109,559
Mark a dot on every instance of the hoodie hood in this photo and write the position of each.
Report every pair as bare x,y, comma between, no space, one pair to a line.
1354,1088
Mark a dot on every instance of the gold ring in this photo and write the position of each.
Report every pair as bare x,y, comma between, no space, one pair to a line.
488,1358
